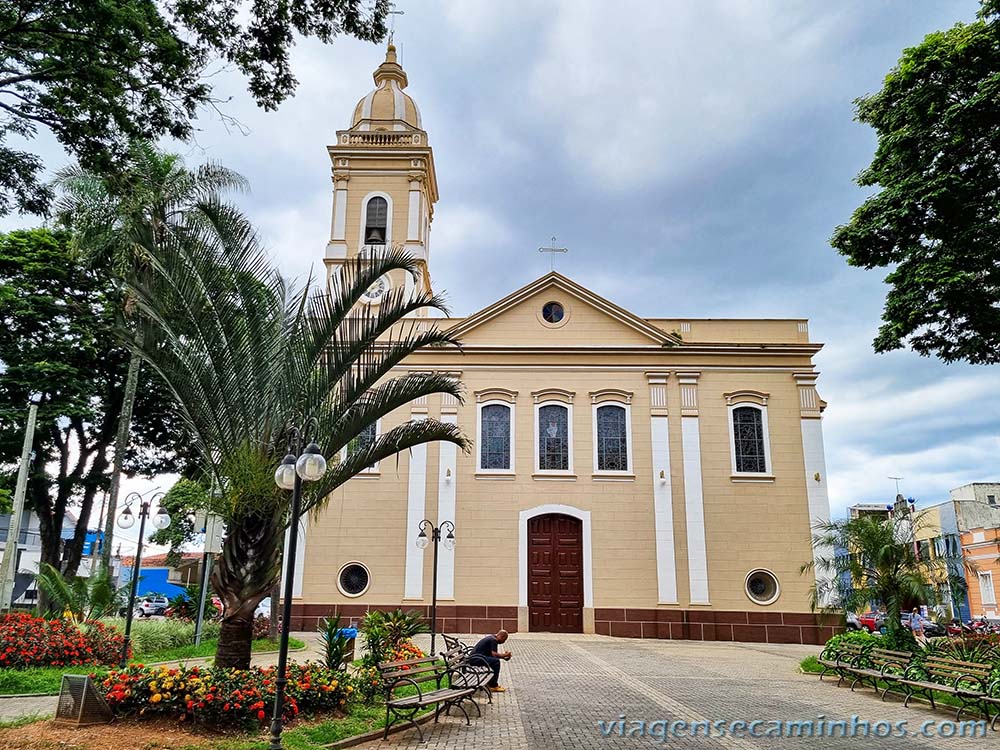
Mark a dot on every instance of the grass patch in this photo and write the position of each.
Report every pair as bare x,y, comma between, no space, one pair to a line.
811,665
49,679
22,721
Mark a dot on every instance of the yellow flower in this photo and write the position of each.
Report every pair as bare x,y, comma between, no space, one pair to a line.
156,698
187,697
152,685
350,689
334,684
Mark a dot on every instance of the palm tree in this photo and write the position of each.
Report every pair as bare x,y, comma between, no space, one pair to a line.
245,354
876,561
116,220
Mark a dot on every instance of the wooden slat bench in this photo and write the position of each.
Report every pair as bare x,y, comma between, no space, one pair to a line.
881,664
452,643
968,681
417,672
842,659
469,670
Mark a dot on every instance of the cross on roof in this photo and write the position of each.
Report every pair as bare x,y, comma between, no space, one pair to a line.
552,253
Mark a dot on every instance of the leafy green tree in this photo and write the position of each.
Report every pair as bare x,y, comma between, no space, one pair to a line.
935,220
115,218
100,73
874,560
57,322
257,356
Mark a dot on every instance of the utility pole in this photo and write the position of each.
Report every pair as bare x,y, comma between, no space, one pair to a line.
8,565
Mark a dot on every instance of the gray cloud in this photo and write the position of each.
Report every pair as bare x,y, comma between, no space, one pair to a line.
694,156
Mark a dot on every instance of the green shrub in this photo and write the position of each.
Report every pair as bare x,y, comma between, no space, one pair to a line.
385,632
153,636
861,637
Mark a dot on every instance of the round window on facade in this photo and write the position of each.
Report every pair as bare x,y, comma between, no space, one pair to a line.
553,312
353,579
762,586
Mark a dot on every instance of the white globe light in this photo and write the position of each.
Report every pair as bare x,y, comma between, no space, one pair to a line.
161,520
311,464
449,541
422,541
284,476
126,520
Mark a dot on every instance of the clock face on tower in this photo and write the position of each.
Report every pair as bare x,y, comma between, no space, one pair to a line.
374,294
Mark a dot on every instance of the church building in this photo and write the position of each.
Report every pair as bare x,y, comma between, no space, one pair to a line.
630,476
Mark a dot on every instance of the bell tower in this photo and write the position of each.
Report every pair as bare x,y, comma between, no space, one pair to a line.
384,185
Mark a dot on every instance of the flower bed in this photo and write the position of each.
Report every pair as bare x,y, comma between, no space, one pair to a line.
224,698
29,641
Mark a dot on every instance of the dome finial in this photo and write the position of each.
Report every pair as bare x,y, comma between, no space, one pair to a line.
391,69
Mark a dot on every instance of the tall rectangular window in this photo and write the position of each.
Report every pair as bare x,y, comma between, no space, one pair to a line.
612,438
553,438
986,590
362,440
494,431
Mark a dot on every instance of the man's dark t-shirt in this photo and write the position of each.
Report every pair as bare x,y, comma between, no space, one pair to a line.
487,646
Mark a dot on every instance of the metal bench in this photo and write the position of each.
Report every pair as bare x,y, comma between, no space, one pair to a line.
881,664
469,670
415,672
842,659
452,643
966,680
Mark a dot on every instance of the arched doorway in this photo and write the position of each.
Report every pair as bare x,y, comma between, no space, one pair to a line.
555,574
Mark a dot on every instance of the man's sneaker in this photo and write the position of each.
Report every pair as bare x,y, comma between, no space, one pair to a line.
498,689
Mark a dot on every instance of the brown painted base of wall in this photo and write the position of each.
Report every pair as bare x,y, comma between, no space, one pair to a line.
451,618
676,624
713,625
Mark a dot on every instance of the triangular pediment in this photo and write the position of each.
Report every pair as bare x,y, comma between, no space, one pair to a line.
589,320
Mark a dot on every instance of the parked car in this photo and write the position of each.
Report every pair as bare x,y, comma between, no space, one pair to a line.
264,608
872,621
153,605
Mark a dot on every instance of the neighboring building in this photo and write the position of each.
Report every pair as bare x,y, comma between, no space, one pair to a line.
29,554
868,509
157,577
978,514
645,477
937,536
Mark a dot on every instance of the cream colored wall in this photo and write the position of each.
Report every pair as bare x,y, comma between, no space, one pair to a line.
583,325
747,525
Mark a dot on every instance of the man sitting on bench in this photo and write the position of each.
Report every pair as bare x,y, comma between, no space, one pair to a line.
487,650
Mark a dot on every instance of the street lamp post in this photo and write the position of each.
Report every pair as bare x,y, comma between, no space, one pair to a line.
449,543
8,566
126,521
299,465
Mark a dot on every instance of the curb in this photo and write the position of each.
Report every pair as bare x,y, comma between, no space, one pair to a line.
375,734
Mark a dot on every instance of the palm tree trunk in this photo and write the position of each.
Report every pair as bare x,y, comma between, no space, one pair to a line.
235,641
121,441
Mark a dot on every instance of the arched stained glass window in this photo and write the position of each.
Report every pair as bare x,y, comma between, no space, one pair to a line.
553,438
494,448
612,438
748,438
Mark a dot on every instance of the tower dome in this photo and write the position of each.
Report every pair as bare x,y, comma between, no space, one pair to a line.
387,107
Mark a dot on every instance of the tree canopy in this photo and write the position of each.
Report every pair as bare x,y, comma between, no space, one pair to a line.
935,221
100,73
57,322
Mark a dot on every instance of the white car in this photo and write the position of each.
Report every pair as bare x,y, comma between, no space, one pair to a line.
153,605
264,608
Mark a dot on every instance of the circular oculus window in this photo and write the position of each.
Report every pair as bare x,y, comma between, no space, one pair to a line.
553,313
762,586
353,579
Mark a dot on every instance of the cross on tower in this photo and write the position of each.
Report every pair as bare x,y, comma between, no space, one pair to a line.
552,253
392,21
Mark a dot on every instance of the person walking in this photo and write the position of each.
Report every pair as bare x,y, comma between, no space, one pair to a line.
917,626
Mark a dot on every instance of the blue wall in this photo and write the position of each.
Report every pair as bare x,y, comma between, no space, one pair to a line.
153,581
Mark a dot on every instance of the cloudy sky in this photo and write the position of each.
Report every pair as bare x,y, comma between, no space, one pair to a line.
695,157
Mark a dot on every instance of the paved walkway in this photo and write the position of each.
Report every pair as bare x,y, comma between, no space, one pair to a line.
559,688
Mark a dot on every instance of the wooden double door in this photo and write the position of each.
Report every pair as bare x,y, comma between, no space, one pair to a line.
555,574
